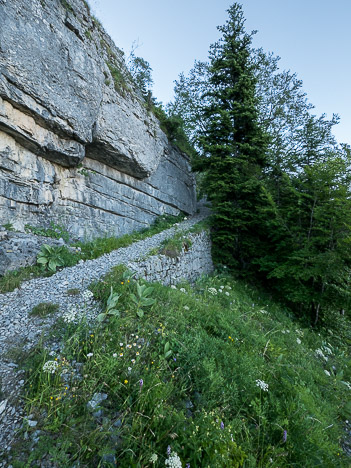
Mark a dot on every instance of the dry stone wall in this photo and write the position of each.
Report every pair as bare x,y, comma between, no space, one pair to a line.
188,266
78,145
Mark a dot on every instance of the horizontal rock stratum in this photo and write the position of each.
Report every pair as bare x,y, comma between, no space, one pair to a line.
78,145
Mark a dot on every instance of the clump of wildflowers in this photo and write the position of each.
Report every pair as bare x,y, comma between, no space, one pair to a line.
174,461
153,458
263,385
212,291
50,367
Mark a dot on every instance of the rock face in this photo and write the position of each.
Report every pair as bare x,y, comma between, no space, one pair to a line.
78,145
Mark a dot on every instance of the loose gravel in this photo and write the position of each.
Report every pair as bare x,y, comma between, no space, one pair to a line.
20,331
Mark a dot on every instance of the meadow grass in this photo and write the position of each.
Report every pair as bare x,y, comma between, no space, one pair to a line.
215,374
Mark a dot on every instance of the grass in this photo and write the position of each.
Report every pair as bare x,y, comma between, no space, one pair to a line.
189,377
119,80
83,250
73,291
55,231
13,279
44,309
173,247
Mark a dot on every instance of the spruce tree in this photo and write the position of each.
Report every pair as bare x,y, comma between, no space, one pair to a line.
233,147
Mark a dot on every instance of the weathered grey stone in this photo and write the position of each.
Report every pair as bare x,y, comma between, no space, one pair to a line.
187,267
60,106
19,250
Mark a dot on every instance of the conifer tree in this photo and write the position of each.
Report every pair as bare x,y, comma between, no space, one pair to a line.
233,146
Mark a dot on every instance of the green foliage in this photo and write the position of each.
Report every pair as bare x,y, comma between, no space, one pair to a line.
51,257
141,73
13,279
175,245
55,231
233,147
9,226
119,80
110,307
67,5
190,376
308,263
96,22
141,299
88,35
173,127
73,291
43,309
281,205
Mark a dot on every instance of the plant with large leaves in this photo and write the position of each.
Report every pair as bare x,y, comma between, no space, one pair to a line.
50,257
142,299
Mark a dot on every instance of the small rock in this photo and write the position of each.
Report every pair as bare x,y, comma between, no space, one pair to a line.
109,458
3,406
96,400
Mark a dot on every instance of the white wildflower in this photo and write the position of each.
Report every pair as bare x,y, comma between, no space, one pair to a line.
87,295
90,354
263,385
182,290
327,350
153,458
327,372
319,353
212,291
348,385
121,344
220,290
173,287
263,311
50,367
298,341
299,332
174,461
114,355
227,293
73,315
186,307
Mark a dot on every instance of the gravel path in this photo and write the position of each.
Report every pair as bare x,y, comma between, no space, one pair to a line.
21,331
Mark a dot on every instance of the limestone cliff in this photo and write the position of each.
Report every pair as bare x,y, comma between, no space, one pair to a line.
77,143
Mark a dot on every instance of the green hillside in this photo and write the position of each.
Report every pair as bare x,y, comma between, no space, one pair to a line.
214,375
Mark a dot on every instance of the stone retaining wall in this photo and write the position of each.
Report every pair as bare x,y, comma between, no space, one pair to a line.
188,266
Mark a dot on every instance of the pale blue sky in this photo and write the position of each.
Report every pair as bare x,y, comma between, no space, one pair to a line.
312,37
